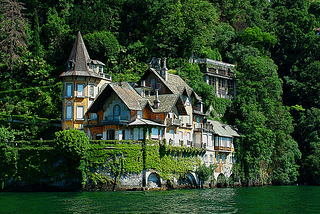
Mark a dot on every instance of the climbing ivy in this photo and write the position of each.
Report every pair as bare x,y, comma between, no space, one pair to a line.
71,156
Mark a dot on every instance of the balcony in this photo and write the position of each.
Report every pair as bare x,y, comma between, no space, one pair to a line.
174,122
198,127
105,76
222,148
111,120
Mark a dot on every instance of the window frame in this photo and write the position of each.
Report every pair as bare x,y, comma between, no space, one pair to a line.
71,89
80,118
68,113
115,116
80,93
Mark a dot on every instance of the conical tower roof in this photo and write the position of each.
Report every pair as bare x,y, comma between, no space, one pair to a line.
79,58
79,55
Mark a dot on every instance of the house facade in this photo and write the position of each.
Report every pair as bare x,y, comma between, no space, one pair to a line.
82,80
220,75
160,102
164,106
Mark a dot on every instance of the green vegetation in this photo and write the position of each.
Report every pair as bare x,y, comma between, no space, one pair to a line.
273,44
205,172
71,156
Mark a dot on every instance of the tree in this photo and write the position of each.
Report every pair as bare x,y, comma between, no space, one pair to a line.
266,150
204,172
305,85
12,28
308,136
102,45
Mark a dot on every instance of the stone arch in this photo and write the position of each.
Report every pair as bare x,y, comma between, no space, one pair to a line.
154,180
231,180
191,179
221,180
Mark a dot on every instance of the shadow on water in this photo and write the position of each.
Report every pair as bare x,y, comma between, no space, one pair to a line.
271,199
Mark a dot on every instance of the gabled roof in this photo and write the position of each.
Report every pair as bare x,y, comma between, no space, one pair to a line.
171,88
232,130
219,129
123,90
80,58
175,83
167,102
134,101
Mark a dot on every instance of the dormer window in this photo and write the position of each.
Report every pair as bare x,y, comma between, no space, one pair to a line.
70,65
90,66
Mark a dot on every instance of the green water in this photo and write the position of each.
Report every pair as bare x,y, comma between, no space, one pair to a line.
272,199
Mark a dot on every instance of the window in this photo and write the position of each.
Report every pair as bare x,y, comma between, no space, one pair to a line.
211,81
218,158
211,158
181,135
216,141
110,134
100,68
222,83
155,132
70,64
116,112
80,112
93,116
80,89
223,159
69,90
188,119
153,83
69,112
91,90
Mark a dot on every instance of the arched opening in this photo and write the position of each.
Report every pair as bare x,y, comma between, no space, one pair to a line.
231,180
221,180
191,180
154,181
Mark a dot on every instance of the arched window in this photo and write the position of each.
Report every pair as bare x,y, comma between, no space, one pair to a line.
116,112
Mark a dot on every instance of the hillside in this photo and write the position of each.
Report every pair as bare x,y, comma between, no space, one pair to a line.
275,46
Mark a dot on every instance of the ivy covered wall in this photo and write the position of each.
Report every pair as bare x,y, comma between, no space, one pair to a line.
44,165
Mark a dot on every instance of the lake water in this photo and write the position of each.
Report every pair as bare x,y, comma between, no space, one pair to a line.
269,199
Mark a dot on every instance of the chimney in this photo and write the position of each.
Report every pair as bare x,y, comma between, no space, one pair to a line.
156,102
159,63
164,70
164,62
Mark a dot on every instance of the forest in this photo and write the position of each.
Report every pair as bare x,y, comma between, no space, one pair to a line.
275,46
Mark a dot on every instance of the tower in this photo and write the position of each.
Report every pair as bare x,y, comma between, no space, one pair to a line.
82,80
